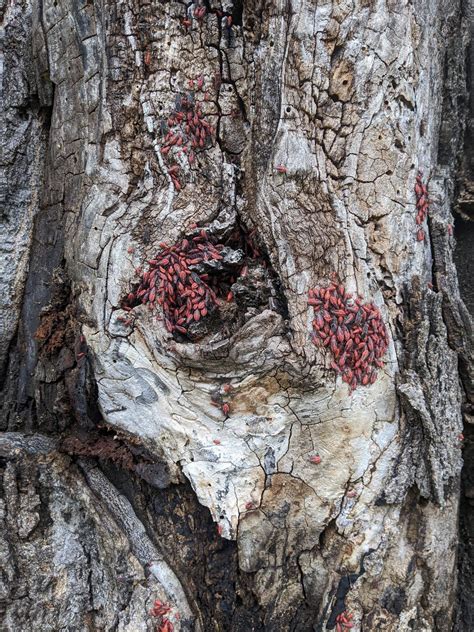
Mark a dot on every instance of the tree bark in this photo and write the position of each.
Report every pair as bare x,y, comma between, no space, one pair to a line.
227,470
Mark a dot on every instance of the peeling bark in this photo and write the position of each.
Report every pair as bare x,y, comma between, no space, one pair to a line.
140,462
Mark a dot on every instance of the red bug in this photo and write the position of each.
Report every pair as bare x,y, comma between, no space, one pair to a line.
171,284
353,331
343,621
225,408
217,441
166,626
315,459
201,12
422,203
159,608
249,505
281,169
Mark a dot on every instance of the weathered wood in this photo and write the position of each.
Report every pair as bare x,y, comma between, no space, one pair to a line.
322,114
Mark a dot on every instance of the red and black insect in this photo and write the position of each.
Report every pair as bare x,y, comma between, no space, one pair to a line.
217,398
422,205
344,621
160,610
171,282
185,132
80,349
193,279
226,408
199,13
226,22
352,330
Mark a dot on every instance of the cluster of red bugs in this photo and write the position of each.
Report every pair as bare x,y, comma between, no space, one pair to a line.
191,279
186,131
422,205
353,331
199,14
217,398
170,282
159,610
344,621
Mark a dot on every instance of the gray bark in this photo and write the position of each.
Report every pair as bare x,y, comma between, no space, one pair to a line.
122,483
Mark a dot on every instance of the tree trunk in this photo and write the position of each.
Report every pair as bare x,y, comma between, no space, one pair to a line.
238,461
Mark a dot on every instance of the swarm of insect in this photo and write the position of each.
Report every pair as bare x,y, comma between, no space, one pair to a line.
344,621
422,205
170,282
353,331
185,132
203,276
160,610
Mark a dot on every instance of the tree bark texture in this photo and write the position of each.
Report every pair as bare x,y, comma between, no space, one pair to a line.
301,502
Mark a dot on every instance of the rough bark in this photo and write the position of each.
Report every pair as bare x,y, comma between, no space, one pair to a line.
122,483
